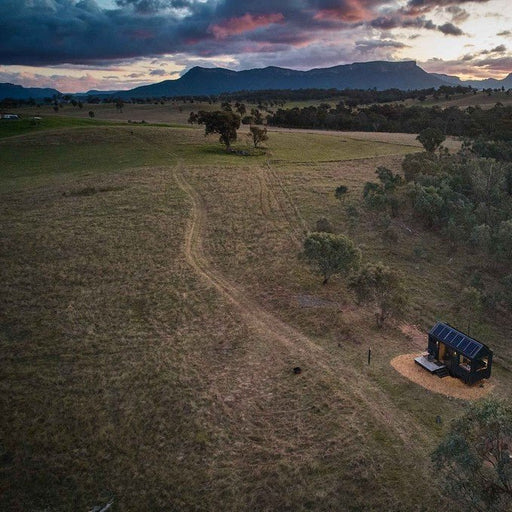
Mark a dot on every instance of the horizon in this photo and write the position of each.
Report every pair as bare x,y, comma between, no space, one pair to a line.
77,46
228,69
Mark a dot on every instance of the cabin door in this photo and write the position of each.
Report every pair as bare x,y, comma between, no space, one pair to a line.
441,352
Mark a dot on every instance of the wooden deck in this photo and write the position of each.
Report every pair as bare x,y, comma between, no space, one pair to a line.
431,366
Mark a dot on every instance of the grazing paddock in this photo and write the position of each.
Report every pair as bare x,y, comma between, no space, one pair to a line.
153,314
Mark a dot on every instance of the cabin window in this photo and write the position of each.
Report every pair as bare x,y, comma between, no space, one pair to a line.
465,363
483,363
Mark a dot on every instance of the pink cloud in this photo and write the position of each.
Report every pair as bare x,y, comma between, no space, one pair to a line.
245,23
351,11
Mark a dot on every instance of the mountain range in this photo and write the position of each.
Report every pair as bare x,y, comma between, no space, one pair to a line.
18,92
197,81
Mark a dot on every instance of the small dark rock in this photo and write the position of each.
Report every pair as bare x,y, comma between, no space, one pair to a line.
297,370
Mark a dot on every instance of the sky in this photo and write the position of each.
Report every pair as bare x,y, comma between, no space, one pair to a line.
79,45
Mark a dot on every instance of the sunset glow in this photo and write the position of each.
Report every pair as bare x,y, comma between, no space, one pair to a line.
120,44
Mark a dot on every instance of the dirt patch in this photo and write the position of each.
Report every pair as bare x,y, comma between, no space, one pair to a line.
418,337
449,386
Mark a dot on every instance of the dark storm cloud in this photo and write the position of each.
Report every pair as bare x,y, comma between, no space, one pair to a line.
41,32
150,6
44,32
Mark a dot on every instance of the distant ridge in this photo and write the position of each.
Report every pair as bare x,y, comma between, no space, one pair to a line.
363,75
380,75
18,92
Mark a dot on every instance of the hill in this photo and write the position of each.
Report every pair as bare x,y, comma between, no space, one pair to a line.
363,75
18,92
380,75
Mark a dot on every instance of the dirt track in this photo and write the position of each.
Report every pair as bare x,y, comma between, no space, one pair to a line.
284,341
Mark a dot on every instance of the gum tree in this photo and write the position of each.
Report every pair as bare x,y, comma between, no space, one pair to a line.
330,254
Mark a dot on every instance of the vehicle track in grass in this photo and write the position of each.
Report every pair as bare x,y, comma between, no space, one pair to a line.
282,338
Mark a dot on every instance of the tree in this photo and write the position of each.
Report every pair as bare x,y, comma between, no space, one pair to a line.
481,237
340,192
474,459
427,204
431,139
417,164
470,303
380,285
240,108
504,239
258,135
222,122
330,254
381,195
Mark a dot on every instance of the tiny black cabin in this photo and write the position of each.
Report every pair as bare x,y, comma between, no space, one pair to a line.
464,357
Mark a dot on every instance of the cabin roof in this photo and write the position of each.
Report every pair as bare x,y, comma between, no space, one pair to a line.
459,341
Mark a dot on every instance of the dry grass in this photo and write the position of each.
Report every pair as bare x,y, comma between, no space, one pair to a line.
150,324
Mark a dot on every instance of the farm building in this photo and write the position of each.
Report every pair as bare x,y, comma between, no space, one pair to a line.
451,352
9,116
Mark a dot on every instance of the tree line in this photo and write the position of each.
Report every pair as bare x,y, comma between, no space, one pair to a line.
266,97
494,123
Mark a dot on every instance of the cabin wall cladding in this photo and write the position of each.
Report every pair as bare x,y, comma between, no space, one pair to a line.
464,357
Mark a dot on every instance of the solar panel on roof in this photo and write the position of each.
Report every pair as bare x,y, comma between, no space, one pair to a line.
463,342
438,329
457,340
472,348
451,335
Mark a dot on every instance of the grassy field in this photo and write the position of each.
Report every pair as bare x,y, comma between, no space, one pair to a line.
153,308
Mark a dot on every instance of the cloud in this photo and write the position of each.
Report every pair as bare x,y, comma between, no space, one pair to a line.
346,11
501,64
177,34
70,32
458,14
450,29
498,49
423,6
370,45
245,23
418,22
42,32
471,66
